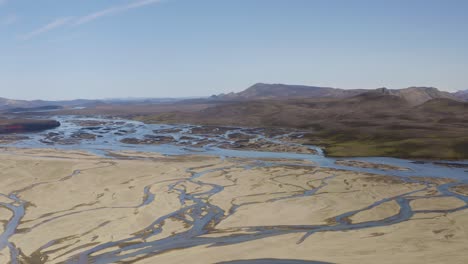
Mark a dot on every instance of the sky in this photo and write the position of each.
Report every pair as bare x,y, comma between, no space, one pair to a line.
67,49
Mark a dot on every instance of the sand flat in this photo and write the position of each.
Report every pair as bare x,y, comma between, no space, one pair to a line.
437,203
150,208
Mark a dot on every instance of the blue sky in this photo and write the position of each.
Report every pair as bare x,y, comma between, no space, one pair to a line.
64,49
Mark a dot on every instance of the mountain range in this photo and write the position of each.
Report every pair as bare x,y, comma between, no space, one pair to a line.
261,91
23,105
12,103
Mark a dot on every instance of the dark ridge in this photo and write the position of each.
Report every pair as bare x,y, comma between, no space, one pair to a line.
8,126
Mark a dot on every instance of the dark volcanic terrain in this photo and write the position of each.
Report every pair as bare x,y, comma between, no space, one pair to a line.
8,126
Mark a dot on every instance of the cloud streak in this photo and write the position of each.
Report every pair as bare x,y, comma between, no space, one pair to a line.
52,25
114,10
77,21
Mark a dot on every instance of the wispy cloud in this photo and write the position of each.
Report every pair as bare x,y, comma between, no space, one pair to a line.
87,18
114,10
52,25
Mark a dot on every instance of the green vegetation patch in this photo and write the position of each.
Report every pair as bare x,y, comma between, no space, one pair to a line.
426,145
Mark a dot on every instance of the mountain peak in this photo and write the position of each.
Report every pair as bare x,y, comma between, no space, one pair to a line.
261,91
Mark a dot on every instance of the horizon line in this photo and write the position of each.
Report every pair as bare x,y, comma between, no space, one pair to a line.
207,96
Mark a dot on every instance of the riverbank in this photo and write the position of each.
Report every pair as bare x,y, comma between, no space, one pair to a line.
146,208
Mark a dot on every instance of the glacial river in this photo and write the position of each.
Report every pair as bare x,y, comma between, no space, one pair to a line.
102,136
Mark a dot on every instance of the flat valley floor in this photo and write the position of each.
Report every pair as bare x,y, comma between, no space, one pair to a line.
74,207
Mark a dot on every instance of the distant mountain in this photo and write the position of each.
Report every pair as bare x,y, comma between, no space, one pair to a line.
371,108
463,95
11,105
46,108
143,100
416,95
282,91
260,91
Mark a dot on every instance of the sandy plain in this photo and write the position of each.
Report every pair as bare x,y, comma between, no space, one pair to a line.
150,208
